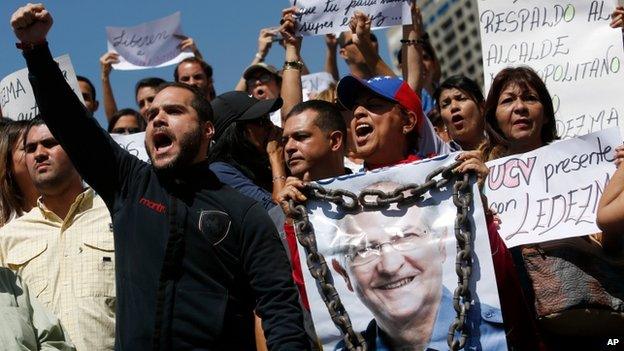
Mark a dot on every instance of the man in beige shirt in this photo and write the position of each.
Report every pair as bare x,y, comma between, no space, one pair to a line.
63,248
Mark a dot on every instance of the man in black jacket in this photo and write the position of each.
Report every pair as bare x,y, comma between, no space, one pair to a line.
194,258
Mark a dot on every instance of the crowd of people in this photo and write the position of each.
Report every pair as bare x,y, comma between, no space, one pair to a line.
197,249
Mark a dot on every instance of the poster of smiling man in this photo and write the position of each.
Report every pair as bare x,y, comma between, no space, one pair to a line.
393,266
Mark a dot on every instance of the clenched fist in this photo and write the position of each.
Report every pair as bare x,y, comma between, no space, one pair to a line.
31,23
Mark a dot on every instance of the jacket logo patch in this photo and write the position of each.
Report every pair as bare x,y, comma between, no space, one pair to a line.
155,206
215,225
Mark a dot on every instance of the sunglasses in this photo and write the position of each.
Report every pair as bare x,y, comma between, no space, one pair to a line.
264,79
125,130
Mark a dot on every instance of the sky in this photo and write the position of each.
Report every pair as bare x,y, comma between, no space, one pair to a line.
226,33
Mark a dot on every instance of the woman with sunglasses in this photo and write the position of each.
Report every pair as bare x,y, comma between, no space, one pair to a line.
247,154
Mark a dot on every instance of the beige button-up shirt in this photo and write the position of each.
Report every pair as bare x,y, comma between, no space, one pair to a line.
69,265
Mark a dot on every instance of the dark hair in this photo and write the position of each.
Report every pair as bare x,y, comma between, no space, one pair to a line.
151,82
463,83
91,86
525,78
328,117
234,147
11,196
123,112
342,38
204,66
37,121
199,102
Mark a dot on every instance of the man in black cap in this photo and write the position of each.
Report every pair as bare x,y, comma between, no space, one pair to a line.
194,259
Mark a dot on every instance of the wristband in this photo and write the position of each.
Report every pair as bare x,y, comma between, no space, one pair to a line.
298,65
25,46
279,178
259,56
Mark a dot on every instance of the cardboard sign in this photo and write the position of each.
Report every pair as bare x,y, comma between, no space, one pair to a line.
134,144
16,94
148,45
332,16
314,83
397,265
552,192
572,48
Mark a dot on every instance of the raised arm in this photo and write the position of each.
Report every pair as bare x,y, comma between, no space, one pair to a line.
331,64
360,27
265,40
412,56
188,44
106,65
101,162
291,77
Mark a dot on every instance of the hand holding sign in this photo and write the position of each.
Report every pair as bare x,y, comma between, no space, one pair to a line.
31,23
106,63
617,17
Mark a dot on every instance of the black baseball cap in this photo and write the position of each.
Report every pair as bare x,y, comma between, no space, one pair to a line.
236,106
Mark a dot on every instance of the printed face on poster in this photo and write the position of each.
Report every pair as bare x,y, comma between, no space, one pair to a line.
394,269
552,192
332,16
16,94
148,45
572,48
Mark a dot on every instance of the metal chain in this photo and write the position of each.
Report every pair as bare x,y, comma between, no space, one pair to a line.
372,199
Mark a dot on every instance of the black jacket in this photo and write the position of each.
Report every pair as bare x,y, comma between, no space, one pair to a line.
194,258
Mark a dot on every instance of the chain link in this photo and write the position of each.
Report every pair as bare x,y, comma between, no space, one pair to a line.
373,199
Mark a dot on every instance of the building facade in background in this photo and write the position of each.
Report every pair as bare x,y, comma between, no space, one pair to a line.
453,27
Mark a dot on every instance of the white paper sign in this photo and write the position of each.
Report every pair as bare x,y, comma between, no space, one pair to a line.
314,83
16,94
148,45
552,192
134,144
573,49
398,264
332,16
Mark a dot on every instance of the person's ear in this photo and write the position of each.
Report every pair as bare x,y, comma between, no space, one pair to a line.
410,120
343,53
341,271
208,131
96,104
336,140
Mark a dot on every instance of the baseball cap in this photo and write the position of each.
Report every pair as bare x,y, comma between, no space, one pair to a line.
390,88
236,106
260,66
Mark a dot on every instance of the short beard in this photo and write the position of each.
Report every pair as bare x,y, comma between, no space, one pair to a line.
190,145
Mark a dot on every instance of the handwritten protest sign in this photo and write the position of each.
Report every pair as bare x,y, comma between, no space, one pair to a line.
17,97
148,45
314,83
397,265
573,49
552,192
332,16
133,143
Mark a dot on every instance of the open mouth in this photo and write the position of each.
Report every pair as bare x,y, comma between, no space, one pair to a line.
162,141
362,131
397,284
457,120
260,94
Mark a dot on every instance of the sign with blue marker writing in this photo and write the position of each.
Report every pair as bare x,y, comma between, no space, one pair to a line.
17,98
148,45
552,192
332,16
572,48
